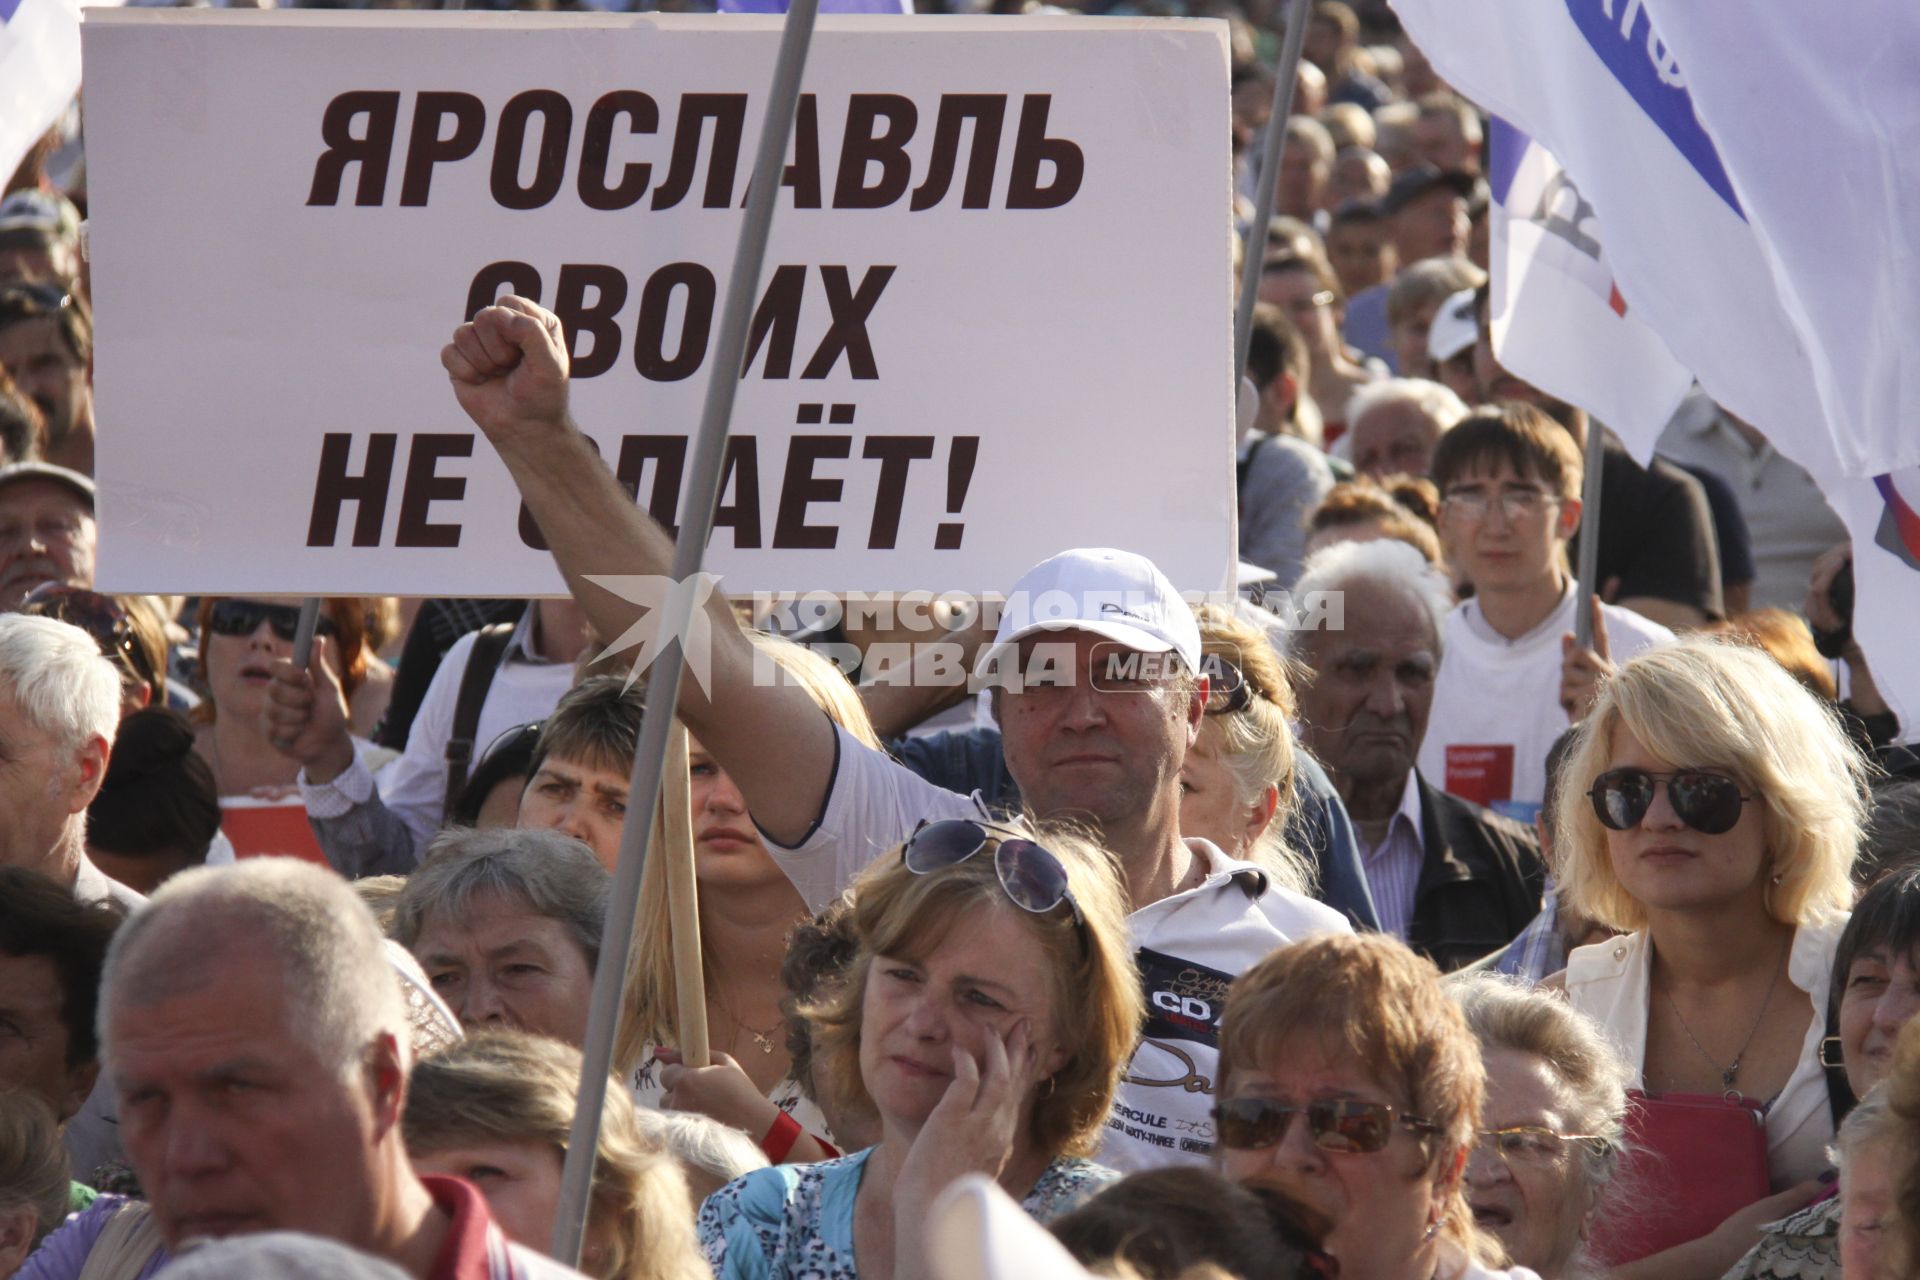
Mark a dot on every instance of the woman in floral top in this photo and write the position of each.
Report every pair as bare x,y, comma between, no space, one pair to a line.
986,1020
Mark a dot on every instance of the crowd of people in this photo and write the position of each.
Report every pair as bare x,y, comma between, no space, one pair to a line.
1411,939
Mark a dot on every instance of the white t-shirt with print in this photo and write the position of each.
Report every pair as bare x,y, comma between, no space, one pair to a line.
1189,946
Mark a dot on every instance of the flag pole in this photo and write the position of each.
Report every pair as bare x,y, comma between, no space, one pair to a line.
663,678
1254,251
1589,534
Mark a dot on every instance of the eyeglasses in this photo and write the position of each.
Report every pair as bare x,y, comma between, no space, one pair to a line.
1351,1128
1032,878
1707,802
243,618
1534,1144
1515,504
100,617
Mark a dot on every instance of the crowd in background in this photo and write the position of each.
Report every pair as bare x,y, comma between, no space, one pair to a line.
1437,944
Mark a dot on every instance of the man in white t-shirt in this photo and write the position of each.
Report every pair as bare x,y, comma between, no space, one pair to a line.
1509,479
1106,750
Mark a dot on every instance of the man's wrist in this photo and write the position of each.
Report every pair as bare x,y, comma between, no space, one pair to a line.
333,761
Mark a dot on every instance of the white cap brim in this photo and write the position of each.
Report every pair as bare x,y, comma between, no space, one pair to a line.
1119,632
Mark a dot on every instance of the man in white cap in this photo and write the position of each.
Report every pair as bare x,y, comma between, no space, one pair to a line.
1450,342
1097,726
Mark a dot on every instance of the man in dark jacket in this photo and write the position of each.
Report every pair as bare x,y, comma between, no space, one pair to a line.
1453,880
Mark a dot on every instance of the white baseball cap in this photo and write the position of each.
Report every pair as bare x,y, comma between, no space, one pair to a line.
1118,595
1454,328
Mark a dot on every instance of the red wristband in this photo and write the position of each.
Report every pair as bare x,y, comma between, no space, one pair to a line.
780,1139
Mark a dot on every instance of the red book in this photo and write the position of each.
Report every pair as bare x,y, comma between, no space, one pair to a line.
1692,1161
259,828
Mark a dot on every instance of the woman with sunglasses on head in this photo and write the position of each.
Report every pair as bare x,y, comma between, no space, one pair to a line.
240,638
1350,1079
985,1019
1712,808
1238,776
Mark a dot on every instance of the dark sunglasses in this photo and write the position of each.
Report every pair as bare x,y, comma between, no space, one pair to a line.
99,616
1227,688
1707,802
1352,1128
243,618
1032,878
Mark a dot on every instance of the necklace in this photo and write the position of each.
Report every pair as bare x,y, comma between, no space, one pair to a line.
1730,1072
763,1040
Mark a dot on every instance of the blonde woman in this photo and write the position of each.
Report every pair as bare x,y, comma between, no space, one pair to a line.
1711,810
1238,776
747,907
497,1109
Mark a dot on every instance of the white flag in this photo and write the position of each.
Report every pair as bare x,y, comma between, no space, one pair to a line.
1593,82
39,72
1557,318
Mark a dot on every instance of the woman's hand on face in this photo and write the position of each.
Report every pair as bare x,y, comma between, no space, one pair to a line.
723,1091
975,1126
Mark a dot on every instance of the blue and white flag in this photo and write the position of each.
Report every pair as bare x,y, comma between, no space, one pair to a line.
39,72
1557,317
1698,245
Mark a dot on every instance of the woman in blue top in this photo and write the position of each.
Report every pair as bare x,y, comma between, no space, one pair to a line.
985,1019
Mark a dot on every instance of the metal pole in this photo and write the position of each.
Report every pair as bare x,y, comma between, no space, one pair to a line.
303,631
1255,249
1589,535
663,679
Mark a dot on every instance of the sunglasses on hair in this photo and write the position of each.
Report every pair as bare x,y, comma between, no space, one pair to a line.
1228,690
1707,802
25,298
243,618
1349,1127
1032,878
99,616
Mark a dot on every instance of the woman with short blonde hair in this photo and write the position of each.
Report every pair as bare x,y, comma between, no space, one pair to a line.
1712,806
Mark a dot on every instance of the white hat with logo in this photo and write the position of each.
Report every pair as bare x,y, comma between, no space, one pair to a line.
1117,595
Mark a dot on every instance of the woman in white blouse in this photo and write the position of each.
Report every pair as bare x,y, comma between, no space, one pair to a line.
1712,808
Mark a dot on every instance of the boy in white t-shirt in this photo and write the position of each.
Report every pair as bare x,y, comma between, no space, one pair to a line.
1513,678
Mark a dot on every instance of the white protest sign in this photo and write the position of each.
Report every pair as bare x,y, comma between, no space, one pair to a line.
994,323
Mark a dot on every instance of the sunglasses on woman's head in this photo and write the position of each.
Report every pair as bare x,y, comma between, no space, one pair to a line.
243,618
1346,1126
1707,802
1227,687
1032,878
99,616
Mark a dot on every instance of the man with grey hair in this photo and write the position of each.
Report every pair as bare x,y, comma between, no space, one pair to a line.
1394,424
1453,880
257,1043
59,708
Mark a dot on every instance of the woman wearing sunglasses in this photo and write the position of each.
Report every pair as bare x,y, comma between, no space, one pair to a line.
1712,808
985,1020
1240,771
1349,1078
240,637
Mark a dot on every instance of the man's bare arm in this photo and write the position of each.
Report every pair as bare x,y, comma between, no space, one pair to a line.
509,372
